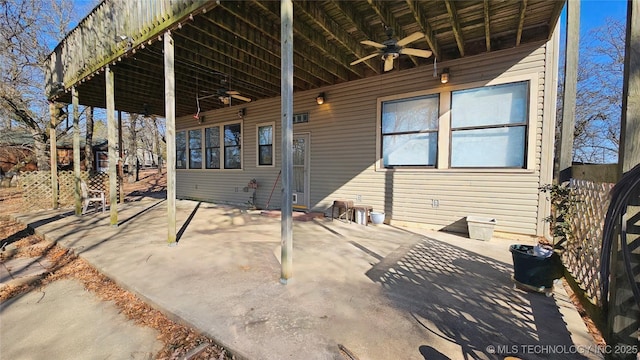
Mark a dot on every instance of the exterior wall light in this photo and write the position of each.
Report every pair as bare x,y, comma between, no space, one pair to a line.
444,77
320,99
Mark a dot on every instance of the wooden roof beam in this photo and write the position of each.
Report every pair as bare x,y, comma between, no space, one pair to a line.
354,17
555,15
455,25
523,9
487,25
317,15
251,18
423,22
260,44
389,20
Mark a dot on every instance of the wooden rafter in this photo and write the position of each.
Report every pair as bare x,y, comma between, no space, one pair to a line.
334,30
315,64
388,19
555,15
521,16
455,25
328,62
487,25
422,21
354,18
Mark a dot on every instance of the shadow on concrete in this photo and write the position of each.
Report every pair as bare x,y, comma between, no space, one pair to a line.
468,300
184,226
146,209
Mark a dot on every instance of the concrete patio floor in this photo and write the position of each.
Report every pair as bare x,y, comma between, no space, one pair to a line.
375,292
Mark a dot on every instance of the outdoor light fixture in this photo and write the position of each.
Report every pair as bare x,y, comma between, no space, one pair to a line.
320,99
444,77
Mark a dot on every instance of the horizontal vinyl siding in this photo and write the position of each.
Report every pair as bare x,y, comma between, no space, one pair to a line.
343,153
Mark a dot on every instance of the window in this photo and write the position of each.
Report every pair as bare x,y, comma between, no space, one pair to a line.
181,150
232,146
195,149
410,131
489,126
265,144
212,149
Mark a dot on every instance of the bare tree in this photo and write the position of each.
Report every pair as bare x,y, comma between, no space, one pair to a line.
599,94
27,28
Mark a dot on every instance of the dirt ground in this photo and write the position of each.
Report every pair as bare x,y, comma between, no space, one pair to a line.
180,342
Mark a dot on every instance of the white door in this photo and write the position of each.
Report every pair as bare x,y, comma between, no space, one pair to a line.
300,183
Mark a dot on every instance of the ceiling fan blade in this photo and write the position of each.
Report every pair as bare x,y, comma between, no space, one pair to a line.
364,58
388,63
232,92
411,38
416,52
239,97
373,43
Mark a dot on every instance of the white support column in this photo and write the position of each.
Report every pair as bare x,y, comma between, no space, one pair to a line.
286,225
170,116
76,150
113,142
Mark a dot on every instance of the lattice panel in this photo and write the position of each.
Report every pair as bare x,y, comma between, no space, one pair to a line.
582,253
66,184
37,194
36,190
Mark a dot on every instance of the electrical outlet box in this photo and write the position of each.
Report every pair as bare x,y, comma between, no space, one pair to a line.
435,203
358,198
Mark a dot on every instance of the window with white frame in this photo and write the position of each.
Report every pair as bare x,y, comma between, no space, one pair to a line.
489,126
232,134
181,150
195,149
221,147
212,147
409,130
265,144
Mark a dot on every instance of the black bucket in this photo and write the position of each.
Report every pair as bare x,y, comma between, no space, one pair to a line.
536,271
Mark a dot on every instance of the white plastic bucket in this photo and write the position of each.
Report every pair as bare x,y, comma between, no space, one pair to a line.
377,217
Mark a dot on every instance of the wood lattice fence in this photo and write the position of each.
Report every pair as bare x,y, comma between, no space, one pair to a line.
582,251
38,195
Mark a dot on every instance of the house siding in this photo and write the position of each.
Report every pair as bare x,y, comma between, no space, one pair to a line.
344,151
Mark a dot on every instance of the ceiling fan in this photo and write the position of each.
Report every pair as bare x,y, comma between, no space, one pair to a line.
225,95
392,48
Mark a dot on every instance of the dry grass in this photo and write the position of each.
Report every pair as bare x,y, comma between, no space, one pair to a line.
179,340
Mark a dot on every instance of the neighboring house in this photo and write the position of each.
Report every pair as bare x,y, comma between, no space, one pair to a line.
16,152
65,154
425,152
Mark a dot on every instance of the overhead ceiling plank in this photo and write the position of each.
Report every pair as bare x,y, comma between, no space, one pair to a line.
423,22
487,25
387,17
455,24
523,9
319,17
215,59
216,43
354,17
303,61
555,15
262,48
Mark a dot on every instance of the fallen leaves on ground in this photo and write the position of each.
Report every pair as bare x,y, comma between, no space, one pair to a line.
19,241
